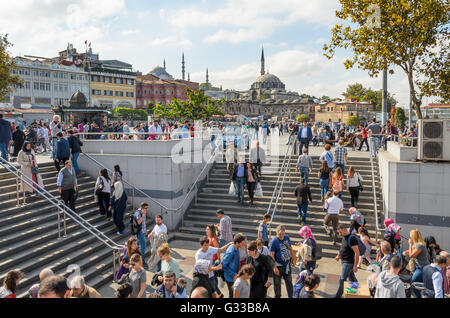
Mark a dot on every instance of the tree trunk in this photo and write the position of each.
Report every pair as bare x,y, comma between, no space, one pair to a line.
416,103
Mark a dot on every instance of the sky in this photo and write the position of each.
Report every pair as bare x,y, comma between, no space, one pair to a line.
224,36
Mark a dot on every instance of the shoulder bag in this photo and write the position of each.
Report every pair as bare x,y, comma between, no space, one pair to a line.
361,189
100,187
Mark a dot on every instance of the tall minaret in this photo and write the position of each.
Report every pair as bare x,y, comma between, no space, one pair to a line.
164,64
263,62
189,77
207,76
183,67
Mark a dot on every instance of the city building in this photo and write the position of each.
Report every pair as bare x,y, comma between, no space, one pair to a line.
159,87
339,111
436,110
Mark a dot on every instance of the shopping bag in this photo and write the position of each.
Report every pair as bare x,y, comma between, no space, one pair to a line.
259,191
11,149
232,190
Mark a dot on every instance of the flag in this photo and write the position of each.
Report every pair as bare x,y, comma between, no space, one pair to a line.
85,42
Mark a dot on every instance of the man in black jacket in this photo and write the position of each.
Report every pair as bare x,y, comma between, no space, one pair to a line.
5,137
240,177
75,150
302,193
264,269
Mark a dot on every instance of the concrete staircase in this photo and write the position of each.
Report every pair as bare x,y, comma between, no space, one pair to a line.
29,234
245,219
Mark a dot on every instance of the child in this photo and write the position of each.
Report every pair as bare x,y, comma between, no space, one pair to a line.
262,249
182,282
391,233
241,287
364,236
325,203
357,220
300,283
262,229
312,282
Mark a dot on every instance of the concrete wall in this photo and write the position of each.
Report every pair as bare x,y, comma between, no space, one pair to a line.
416,195
151,167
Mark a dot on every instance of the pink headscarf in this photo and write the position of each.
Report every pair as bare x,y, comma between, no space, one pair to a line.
306,233
352,211
388,222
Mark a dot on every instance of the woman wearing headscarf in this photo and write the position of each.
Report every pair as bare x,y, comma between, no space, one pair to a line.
29,168
119,205
356,220
306,233
201,277
431,245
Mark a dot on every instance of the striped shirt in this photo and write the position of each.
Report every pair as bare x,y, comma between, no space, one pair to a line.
340,153
225,228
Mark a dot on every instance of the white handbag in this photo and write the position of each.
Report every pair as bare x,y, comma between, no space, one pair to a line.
259,190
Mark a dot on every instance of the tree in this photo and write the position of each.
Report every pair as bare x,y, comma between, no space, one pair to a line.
129,113
303,118
400,118
150,108
325,98
355,92
392,119
376,97
353,121
197,106
412,35
8,81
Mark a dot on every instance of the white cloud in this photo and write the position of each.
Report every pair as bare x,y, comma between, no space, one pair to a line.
171,41
130,32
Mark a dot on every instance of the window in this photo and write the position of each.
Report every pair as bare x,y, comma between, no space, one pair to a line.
118,80
36,85
130,82
42,86
108,93
48,87
145,92
156,92
47,74
27,85
65,75
73,77
56,87
119,93
96,92
61,87
107,79
130,94
139,102
95,78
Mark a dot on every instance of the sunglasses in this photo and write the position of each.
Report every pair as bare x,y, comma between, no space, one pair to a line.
132,264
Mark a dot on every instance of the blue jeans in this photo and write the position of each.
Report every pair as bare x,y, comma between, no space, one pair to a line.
301,211
347,272
4,150
239,184
75,162
417,277
304,173
158,266
54,141
141,244
215,285
324,183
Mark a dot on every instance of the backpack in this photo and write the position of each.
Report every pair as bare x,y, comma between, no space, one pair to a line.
135,227
361,246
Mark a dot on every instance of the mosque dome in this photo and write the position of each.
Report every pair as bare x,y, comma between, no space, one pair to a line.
268,81
161,73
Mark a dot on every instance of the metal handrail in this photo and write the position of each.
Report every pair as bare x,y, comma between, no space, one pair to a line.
283,171
162,206
374,193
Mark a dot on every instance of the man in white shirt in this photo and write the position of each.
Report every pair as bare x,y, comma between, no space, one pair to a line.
207,252
158,229
126,129
258,157
334,206
155,129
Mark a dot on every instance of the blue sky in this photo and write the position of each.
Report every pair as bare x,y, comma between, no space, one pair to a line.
225,36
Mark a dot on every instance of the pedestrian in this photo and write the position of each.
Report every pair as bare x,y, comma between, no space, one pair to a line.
324,175
354,185
55,286
365,239
230,262
56,127
224,227
446,273
252,180
201,278
240,177
6,136
349,254
281,252
337,182
300,283
30,170
327,156
262,249
309,240
124,291
230,156
433,279
159,228
304,165
303,195
258,157
119,205
140,217
75,150
340,156
357,220
388,283
392,233
117,174
263,232
10,283
241,287
102,193
18,140
33,291
79,289
334,206
67,185
304,137
137,277
374,131
62,151
129,249
311,283
419,254
431,245
167,262
364,138
264,268
170,288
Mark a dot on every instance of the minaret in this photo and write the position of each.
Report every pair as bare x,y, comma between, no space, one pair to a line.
164,64
207,76
183,67
189,77
263,62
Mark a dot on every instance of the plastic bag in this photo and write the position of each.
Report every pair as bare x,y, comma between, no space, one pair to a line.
259,191
232,190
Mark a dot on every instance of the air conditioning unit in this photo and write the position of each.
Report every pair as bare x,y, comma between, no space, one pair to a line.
434,140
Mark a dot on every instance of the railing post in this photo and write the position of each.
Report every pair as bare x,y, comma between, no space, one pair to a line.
64,220
59,219
132,197
17,192
114,265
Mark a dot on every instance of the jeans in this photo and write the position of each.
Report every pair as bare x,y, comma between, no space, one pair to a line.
230,289
417,277
239,184
375,143
141,244
4,150
215,285
287,280
354,193
364,141
304,174
303,142
301,211
104,200
54,141
68,197
75,162
324,183
338,165
347,272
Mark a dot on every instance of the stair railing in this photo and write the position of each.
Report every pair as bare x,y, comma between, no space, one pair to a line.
278,190
65,211
374,191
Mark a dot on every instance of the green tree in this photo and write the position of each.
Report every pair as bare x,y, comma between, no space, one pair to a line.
303,118
355,92
325,98
150,108
197,106
376,97
353,121
8,81
400,118
412,35
129,113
